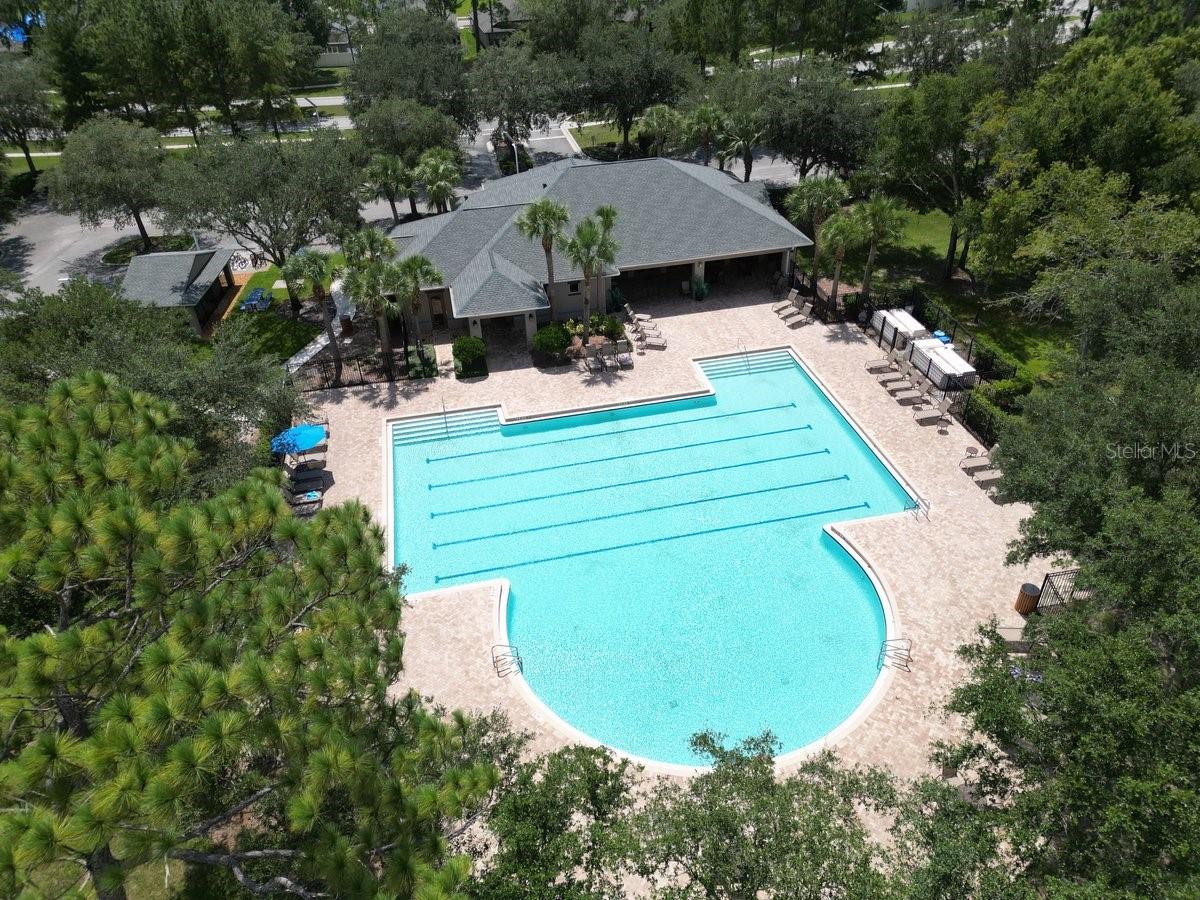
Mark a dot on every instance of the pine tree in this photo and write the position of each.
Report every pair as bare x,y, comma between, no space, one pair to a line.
205,680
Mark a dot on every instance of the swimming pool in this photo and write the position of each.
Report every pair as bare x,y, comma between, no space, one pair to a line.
668,564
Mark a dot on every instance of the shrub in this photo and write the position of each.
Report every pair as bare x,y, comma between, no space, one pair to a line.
470,356
984,417
991,359
550,344
699,288
1007,393
504,159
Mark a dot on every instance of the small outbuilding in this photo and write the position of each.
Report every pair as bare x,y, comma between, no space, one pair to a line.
195,281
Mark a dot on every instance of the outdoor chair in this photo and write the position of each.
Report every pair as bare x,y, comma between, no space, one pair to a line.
636,317
978,462
308,479
591,359
937,414
792,297
886,364
804,317
897,376
654,341
649,328
987,478
624,355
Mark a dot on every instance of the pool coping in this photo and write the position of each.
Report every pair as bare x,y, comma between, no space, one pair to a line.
553,720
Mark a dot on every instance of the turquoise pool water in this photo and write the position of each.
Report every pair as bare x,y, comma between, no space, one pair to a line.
668,568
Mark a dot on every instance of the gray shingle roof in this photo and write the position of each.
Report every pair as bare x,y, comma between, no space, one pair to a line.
173,279
667,212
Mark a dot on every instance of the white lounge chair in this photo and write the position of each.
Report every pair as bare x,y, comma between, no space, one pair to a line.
636,317
656,343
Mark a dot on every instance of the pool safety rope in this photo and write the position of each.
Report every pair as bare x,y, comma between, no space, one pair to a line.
646,509
608,459
620,432
619,484
657,540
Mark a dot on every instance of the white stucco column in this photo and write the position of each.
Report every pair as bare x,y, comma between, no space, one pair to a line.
698,270
476,329
530,328
785,260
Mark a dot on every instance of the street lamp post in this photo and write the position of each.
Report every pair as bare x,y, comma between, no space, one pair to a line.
516,155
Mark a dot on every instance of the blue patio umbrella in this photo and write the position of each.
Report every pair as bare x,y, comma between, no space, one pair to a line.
298,439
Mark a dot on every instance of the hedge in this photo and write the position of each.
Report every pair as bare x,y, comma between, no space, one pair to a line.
983,417
1007,393
470,356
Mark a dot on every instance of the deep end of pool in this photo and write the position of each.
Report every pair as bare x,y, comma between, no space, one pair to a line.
669,567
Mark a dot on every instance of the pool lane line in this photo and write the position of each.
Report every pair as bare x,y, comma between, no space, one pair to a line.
658,540
605,459
618,433
620,484
647,509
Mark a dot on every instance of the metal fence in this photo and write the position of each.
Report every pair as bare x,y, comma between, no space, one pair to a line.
364,368
1060,588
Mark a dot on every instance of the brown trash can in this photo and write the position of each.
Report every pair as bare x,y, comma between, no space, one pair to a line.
1027,598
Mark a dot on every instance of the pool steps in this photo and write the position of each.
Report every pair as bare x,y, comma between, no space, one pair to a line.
748,363
444,426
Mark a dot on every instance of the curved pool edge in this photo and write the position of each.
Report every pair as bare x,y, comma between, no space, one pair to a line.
544,713
861,712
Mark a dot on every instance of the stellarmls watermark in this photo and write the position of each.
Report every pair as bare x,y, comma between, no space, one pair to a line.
1176,452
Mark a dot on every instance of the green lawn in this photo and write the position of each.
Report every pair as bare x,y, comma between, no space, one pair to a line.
127,248
468,42
601,134
17,165
276,333
919,258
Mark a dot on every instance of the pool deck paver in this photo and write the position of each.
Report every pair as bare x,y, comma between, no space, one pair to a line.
945,575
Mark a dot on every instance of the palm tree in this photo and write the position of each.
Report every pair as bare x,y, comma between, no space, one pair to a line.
438,170
386,176
882,222
545,220
316,268
663,124
384,288
740,134
841,232
704,127
811,202
590,249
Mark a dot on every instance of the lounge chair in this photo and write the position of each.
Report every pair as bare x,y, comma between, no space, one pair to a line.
977,462
624,355
655,342
937,414
792,297
897,376
591,359
885,365
647,328
307,479
914,391
804,318
252,301
988,478
636,317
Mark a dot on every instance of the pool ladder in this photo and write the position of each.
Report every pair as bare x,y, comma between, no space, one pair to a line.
897,653
506,660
